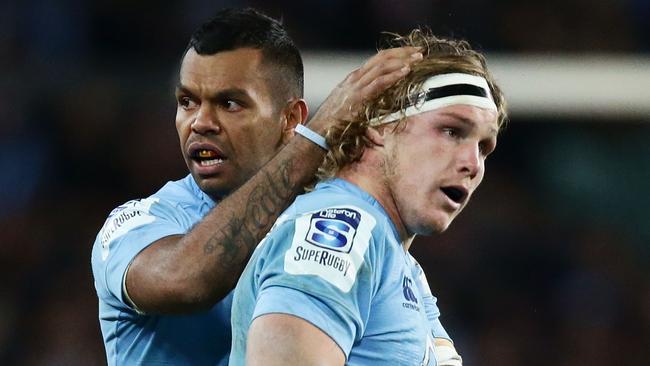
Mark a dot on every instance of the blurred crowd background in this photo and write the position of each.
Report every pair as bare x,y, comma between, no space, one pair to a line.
549,264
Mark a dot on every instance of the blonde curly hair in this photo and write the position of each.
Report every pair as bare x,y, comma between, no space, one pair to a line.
348,140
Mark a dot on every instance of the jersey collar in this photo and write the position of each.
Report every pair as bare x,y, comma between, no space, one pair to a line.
199,193
344,185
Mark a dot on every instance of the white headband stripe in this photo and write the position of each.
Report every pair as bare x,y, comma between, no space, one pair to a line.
432,104
454,81
456,78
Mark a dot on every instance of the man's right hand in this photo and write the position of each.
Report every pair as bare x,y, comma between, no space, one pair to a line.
376,75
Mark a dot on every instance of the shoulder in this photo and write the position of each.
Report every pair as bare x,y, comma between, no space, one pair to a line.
181,193
342,215
173,200
126,217
164,212
138,212
332,239
334,221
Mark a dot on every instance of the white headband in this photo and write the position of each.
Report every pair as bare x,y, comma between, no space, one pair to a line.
444,90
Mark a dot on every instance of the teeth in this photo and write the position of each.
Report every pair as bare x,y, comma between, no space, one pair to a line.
206,153
211,162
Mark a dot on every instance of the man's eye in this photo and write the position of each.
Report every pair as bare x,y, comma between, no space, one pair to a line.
185,102
451,132
482,149
232,106
486,148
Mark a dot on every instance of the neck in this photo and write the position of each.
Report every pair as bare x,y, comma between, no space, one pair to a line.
370,177
406,243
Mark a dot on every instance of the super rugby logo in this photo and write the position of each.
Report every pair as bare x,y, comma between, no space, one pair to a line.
121,220
334,229
330,243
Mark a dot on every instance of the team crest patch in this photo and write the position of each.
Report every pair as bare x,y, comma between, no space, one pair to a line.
334,228
330,243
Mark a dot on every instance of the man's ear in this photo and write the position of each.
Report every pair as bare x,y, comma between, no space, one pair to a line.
376,135
295,113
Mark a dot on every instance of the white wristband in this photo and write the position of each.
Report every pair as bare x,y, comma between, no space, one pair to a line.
311,136
447,356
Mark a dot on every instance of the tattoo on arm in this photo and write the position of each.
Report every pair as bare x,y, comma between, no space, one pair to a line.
263,205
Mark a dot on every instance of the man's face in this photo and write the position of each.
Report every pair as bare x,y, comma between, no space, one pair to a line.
436,162
225,118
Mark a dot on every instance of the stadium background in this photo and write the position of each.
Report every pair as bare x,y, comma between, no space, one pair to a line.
549,265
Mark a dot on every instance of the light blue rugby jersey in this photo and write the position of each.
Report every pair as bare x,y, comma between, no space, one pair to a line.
135,339
334,259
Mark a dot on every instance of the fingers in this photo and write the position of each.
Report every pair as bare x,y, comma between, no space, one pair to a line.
402,53
376,75
384,69
391,66
381,83
383,76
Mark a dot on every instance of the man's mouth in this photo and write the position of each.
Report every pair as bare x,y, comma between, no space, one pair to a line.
457,194
206,156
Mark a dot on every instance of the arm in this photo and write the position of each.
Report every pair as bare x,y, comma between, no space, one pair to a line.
183,273
443,348
281,339
191,272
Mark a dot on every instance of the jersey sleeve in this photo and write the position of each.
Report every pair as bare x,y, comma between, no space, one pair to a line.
128,230
431,307
321,267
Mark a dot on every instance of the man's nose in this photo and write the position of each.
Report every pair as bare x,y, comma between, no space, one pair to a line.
206,121
470,160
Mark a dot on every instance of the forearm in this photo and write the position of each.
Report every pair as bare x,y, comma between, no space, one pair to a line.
225,239
203,266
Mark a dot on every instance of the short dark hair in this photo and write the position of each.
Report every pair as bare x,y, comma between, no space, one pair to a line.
231,29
